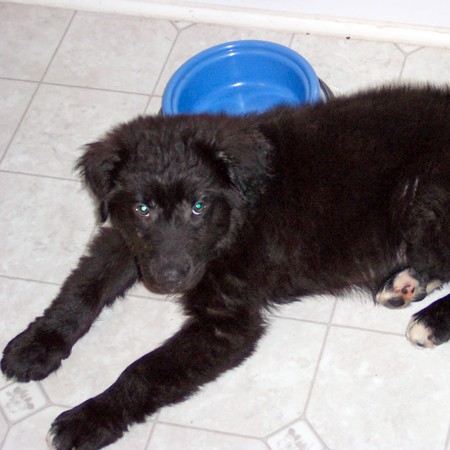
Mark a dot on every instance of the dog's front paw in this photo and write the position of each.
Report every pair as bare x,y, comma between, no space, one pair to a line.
88,426
34,354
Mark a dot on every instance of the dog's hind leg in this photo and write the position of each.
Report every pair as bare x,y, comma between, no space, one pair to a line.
103,275
431,326
422,215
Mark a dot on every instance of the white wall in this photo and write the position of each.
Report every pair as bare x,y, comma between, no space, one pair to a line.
409,21
431,13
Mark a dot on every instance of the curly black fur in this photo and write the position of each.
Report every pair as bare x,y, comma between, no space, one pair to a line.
238,215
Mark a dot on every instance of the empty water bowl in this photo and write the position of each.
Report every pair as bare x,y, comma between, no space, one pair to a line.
241,77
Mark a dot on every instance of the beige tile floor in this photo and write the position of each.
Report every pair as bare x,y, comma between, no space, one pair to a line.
330,374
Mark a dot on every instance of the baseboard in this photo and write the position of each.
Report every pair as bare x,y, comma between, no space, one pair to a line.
251,18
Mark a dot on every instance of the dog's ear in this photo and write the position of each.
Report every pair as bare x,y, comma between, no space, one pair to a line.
98,167
245,153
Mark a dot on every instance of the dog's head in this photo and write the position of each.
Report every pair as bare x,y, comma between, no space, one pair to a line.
178,189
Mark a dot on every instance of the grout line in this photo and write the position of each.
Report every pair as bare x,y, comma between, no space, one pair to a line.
210,430
58,46
419,48
44,393
152,430
8,428
319,360
402,68
154,422
12,423
38,175
447,442
153,94
329,323
94,88
19,80
298,319
29,280
370,330
301,418
19,123
38,85
291,40
166,61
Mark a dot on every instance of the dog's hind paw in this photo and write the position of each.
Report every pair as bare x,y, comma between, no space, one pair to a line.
419,334
431,326
401,289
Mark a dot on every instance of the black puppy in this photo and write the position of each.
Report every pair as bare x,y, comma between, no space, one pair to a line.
239,215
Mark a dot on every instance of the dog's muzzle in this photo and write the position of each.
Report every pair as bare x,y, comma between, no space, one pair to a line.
171,277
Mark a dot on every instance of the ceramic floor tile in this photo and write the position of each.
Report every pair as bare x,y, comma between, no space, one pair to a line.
182,24
3,429
298,436
30,434
428,65
200,37
266,392
347,65
314,308
180,438
60,121
29,38
408,48
20,303
121,335
135,439
359,311
20,400
14,98
374,391
113,52
154,106
45,226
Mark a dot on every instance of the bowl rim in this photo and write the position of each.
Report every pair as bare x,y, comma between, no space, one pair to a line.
171,91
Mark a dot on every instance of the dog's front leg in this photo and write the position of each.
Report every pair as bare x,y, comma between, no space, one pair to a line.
197,354
106,273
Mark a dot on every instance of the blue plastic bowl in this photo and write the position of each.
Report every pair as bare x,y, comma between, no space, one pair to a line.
241,77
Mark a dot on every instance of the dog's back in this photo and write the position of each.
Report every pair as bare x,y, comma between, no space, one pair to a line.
350,182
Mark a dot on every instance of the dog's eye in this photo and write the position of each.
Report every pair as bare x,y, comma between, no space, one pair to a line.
198,208
142,209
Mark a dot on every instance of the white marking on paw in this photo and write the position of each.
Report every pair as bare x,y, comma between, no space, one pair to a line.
49,439
432,285
402,280
419,334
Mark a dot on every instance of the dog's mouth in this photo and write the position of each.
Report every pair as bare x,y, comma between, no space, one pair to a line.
158,288
170,279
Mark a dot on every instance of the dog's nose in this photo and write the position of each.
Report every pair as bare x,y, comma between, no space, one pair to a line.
173,275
